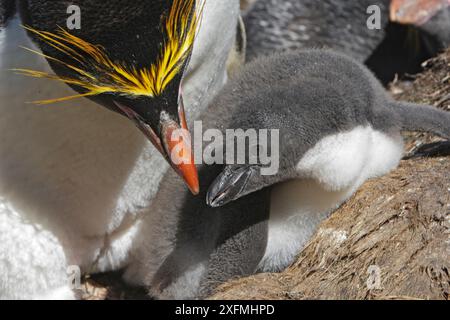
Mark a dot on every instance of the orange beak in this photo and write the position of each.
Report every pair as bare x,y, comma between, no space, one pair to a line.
177,145
174,144
415,12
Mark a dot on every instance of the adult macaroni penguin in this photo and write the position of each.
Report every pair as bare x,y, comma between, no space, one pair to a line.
75,179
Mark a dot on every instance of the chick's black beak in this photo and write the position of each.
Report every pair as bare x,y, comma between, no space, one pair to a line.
172,139
228,186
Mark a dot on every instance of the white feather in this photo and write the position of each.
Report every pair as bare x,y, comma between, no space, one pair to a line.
329,174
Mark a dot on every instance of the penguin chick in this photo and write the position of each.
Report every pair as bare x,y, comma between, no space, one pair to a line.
388,48
312,96
338,127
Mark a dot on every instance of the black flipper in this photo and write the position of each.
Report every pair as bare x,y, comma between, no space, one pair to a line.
230,241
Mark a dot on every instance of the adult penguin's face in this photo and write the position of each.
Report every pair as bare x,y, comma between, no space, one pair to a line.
128,56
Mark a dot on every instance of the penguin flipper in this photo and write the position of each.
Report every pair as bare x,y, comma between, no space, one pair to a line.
238,256
189,274
244,241
418,117
221,244
181,273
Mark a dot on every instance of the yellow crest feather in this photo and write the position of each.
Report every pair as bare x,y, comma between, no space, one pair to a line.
180,28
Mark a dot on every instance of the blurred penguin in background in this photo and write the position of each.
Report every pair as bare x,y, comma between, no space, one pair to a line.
294,24
411,31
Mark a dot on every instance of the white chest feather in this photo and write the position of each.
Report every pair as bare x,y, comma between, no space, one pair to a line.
329,174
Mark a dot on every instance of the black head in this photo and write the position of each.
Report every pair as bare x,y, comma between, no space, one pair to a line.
128,56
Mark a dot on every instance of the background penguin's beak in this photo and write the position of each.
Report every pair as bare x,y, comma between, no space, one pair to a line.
415,12
172,140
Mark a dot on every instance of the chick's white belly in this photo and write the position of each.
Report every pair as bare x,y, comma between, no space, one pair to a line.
329,174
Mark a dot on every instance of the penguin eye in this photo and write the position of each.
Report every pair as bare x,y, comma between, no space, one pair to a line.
92,70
